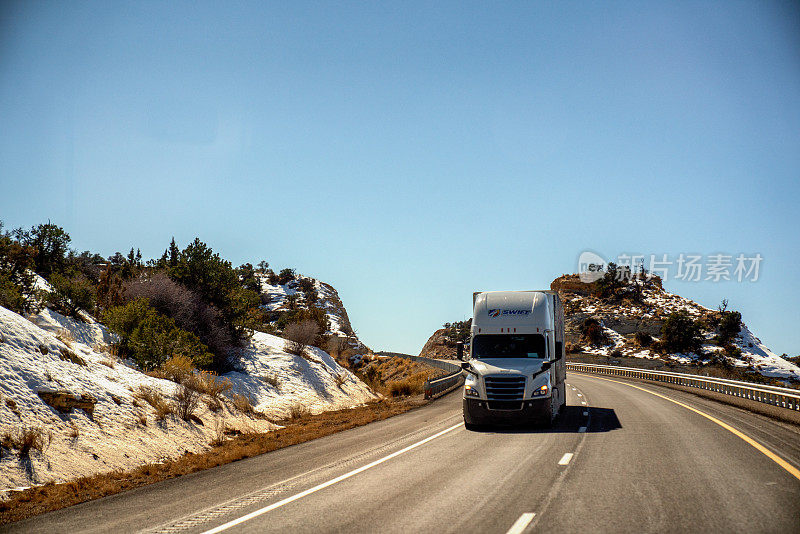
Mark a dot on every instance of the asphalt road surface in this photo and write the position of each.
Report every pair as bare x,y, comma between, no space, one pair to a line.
627,460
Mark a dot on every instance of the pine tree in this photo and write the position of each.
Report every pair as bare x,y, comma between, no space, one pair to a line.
174,253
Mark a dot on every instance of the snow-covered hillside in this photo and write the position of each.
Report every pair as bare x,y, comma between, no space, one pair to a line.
621,320
328,300
51,356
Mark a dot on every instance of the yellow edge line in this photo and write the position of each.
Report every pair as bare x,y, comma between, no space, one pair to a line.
756,445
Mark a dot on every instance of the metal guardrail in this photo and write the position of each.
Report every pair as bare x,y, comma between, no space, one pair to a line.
443,384
434,387
774,395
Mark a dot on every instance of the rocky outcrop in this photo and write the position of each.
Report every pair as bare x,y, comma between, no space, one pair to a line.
439,347
65,402
571,283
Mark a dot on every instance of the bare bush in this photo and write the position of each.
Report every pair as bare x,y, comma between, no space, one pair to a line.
299,335
186,401
592,333
643,339
185,307
337,346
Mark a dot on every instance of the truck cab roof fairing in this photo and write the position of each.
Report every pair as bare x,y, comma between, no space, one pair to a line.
500,312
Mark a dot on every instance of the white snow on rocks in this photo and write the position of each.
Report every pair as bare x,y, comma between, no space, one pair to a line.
276,380
328,300
754,354
122,431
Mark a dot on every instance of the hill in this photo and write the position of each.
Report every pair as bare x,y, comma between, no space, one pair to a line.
633,320
636,320
69,407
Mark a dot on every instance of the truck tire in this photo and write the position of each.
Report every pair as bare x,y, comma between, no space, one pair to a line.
472,427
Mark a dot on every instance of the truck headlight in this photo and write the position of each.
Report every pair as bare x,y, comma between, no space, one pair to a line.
471,391
542,391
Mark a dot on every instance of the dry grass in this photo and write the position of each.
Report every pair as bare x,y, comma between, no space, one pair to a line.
69,356
66,337
43,349
154,399
107,363
74,431
272,380
142,419
395,376
56,496
407,386
27,439
12,405
339,379
242,403
219,434
297,411
7,440
111,350
208,383
178,369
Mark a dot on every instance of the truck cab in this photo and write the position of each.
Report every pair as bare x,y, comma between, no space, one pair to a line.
515,364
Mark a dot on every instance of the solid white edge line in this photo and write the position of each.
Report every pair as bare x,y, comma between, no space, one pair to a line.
582,429
324,485
519,525
565,459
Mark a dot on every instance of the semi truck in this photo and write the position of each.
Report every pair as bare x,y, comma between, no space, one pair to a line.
515,366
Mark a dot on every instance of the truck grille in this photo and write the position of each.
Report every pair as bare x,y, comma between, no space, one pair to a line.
505,388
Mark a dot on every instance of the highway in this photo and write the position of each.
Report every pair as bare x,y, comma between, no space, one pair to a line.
626,457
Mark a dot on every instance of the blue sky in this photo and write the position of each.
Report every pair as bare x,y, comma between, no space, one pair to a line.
412,153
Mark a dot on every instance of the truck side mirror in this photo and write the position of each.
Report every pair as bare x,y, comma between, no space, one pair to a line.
546,365
465,366
460,350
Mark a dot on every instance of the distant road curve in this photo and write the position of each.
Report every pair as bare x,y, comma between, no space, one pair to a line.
626,457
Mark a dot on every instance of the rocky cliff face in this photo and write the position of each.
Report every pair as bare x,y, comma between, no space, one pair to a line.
439,346
279,296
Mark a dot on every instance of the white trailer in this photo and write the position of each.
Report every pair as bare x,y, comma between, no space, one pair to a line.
515,364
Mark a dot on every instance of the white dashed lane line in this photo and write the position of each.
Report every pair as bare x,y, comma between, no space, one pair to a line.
519,525
565,459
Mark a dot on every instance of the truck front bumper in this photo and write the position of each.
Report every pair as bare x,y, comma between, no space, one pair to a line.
532,411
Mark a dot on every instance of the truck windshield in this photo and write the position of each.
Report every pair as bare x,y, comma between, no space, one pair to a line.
508,346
